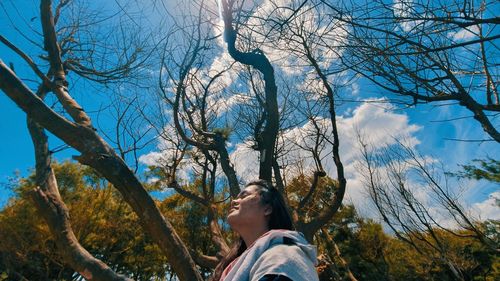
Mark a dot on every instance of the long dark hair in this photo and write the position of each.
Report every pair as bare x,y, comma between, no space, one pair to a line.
279,219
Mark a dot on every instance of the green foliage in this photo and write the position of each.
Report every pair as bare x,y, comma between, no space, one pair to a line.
104,225
108,229
298,189
101,221
190,221
372,254
488,169
225,132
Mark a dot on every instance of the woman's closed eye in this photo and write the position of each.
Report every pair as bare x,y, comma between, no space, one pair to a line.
242,195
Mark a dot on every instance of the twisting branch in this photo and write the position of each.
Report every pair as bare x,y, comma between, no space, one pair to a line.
31,63
412,53
327,213
50,205
188,194
189,101
60,84
257,59
99,155
59,7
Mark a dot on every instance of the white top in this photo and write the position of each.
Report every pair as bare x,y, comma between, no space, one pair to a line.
268,255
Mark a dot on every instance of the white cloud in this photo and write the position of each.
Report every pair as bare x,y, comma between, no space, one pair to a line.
403,9
379,124
489,208
221,63
151,158
323,37
354,89
166,155
286,54
221,104
465,34
245,161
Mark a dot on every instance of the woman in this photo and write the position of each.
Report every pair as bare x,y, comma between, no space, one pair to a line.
268,248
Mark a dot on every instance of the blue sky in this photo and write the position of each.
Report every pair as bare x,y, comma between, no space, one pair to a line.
16,148
17,153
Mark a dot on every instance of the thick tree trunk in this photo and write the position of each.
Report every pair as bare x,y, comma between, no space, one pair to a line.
256,59
97,154
59,86
227,167
50,205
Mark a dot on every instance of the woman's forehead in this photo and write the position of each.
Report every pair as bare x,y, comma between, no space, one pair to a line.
249,190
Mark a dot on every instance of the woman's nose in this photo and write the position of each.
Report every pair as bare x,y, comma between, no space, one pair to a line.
233,202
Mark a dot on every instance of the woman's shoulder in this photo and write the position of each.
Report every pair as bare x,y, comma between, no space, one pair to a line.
285,259
285,252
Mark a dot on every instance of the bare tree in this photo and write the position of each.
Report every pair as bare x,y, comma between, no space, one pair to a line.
50,205
392,177
295,30
269,127
80,134
195,95
428,52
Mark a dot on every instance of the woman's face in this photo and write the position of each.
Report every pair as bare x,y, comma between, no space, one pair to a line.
247,209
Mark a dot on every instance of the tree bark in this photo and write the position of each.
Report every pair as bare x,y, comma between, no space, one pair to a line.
59,86
95,152
267,138
50,205
316,223
227,167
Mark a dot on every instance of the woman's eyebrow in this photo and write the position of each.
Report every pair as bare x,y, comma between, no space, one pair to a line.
243,193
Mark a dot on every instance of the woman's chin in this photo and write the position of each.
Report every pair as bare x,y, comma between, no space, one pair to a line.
232,218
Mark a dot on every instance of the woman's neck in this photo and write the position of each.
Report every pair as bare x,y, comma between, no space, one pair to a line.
252,235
